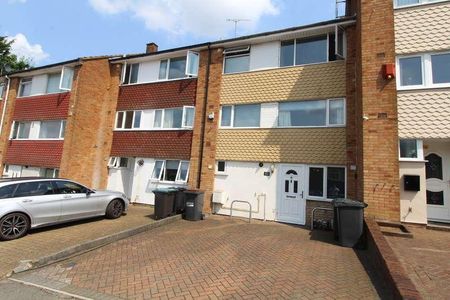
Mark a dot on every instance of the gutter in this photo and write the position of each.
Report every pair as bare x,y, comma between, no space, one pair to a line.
5,104
203,124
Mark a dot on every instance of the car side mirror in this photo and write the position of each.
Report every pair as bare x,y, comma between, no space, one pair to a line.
88,192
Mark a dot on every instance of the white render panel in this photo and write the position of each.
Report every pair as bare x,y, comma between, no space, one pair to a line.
14,171
269,115
246,181
413,205
422,28
147,119
148,71
424,113
34,130
264,56
39,84
121,179
30,172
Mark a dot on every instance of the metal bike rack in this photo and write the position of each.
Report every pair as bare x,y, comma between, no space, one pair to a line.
314,210
250,211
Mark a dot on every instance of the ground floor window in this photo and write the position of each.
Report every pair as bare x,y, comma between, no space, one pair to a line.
411,149
171,171
118,162
49,173
24,171
326,182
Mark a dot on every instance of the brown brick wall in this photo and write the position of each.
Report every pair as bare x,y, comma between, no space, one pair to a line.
204,126
157,95
153,144
90,122
377,137
319,214
44,107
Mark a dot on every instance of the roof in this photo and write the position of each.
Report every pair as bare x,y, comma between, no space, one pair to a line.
76,60
242,38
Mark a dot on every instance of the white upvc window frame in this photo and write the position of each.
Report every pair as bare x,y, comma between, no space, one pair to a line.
325,182
122,128
421,2
224,172
420,155
124,72
11,136
233,114
190,54
62,125
2,90
245,50
24,81
169,61
162,172
66,70
183,119
160,127
427,72
115,162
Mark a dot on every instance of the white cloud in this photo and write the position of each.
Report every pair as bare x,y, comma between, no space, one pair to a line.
22,48
198,17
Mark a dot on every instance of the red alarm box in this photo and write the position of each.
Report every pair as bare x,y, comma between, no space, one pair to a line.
389,71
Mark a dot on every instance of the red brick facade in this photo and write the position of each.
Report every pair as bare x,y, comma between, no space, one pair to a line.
168,94
154,144
44,107
34,153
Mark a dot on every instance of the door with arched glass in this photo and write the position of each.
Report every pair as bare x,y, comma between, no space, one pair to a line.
291,203
438,181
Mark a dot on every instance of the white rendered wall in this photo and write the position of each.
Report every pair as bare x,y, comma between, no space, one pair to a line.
413,205
246,181
264,56
121,179
148,71
269,115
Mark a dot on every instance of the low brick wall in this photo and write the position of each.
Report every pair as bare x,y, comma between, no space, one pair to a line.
386,262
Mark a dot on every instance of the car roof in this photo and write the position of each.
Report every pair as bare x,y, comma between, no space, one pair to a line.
21,179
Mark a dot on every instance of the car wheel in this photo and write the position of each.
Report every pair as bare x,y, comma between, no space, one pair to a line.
13,226
115,209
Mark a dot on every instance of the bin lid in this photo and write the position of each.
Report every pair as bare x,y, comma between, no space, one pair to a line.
344,202
195,192
165,190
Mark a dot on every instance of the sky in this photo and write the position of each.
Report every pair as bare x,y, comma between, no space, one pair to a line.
50,31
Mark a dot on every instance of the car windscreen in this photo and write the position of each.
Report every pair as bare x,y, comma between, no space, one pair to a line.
7,191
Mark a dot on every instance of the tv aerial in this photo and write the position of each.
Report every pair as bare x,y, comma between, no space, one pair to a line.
236,21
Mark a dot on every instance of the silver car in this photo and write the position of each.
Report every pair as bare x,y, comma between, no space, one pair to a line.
35,202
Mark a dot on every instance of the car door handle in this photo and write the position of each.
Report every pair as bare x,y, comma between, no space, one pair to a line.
27,201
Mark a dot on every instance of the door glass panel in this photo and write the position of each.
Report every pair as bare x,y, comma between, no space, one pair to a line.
286,186
435,198
433,167
291,172
295,186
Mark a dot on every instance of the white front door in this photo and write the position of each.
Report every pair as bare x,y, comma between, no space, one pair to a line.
291,204
438,184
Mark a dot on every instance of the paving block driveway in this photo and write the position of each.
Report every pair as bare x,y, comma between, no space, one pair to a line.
216,258
48,240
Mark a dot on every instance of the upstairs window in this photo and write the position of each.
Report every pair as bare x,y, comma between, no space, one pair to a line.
53,83
128,119
52,129
21,130
118,162
241,116
411,149
25,87
174,118
67,74
237,60
171,171
2,91
311,50
401,3
172,68
424,70
131,73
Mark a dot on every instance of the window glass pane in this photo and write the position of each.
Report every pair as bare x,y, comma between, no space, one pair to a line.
225,116
35,188
221,166
173,118
316,182
183,175
134,73
312,50
410,71
335,183
408,148
193,63
25,87
63,129
157,170
24,130
441,68
2,90
126,80
119,119
53,83
46,172
7,191
235,64
247,115
128,119
123,162
15,130
406,2
163,69
336,113
157,121
304,113
137,119
177,68
287,53
50,129
67,78
67,187
171,170
188,117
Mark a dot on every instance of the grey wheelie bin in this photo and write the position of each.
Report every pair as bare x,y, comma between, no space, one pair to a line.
193,205
348,221
164,202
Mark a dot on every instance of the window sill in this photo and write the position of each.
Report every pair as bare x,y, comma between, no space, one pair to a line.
221,174
158,81
422,87
412,160
396,7
156,129
168,182
37,139
45,94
